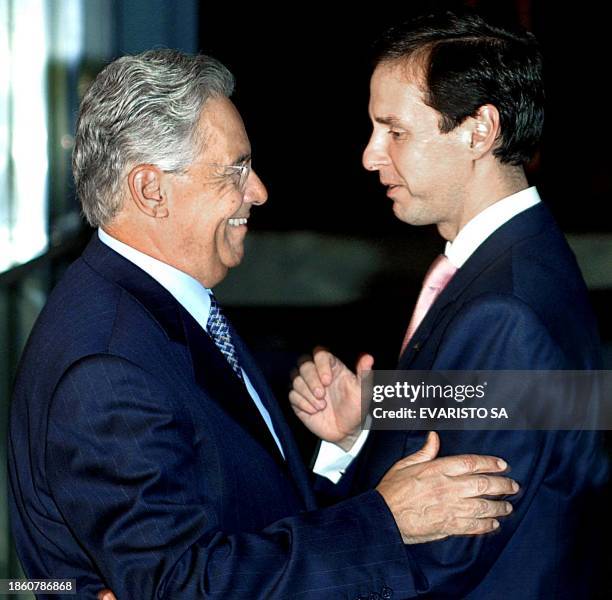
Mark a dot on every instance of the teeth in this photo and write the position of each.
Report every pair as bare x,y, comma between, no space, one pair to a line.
236,222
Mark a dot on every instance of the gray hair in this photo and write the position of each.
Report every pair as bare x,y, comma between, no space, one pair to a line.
141,109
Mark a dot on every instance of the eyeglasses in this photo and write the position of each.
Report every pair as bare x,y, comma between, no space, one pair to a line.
239,174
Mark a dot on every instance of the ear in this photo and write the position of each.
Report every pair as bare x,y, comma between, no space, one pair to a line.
144,182
484,129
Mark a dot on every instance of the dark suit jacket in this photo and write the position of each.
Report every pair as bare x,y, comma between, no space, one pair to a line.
519,302
138,461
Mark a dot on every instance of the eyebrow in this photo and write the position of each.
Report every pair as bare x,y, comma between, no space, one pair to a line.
243,158
392,121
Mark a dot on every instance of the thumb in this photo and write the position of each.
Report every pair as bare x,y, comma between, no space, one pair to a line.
429,451
364,363
106,594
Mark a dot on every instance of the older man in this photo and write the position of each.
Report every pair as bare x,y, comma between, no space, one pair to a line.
456,106
147,453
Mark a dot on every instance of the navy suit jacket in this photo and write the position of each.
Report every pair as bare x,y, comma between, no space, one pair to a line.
518,303
138,461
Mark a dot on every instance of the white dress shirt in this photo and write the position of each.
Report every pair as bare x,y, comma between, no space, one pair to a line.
332,461
193,297
476,231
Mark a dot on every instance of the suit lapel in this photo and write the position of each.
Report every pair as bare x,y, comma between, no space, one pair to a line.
297,469
526,224
211,370
214,374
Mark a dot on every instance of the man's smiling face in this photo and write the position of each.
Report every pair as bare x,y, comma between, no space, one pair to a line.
208,206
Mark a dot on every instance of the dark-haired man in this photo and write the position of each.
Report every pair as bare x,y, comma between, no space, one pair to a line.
457,109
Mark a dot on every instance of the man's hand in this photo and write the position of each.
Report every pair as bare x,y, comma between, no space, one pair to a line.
433,499
326,397
106,594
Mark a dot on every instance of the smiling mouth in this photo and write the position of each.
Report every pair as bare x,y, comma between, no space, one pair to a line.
237,222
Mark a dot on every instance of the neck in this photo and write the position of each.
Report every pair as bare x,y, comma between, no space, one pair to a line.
137,239
492,186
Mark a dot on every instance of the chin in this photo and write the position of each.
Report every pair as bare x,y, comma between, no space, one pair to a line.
231,261
413,214
405,215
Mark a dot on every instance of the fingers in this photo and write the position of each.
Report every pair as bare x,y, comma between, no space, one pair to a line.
364,364
460,526
300,405
488,485
457,526
481,508
475,486
314,375
309,376
301,398
470,463
478,515
429,451
324,362
106,594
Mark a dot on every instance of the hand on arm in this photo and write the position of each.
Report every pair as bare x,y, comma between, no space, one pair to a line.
433,498
326,397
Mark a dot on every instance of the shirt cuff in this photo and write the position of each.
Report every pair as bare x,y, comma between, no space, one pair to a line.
332,461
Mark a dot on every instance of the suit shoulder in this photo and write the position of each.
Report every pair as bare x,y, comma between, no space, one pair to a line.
546,261
542,261
80,310
84,315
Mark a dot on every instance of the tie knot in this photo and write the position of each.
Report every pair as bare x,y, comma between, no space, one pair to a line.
214,305
440,273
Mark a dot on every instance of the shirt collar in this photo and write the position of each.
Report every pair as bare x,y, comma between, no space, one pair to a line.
189,292
476,231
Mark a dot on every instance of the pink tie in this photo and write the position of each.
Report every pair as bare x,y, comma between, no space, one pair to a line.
439,274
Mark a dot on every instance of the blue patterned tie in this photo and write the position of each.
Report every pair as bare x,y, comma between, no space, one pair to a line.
219,331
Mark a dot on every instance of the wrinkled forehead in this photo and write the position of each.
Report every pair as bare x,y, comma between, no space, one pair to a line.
223,131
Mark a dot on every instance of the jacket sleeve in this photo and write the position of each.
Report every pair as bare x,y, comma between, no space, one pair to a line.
119,470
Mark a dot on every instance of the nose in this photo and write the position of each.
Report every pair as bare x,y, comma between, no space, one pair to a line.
255,192
374,156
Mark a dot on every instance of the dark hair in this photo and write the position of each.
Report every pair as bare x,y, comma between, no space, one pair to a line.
466,63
